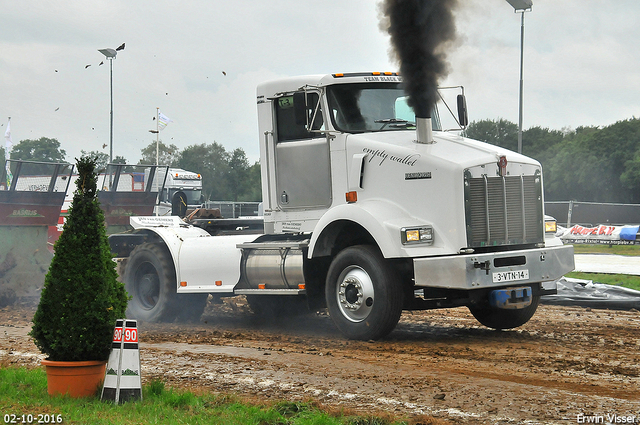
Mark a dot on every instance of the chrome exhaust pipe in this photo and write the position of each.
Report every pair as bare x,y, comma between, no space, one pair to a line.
424,130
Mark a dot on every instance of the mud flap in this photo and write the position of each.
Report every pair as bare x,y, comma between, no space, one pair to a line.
511,298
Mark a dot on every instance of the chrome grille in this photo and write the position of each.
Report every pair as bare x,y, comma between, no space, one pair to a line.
503,210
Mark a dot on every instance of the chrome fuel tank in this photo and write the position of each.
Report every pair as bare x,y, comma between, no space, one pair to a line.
275,268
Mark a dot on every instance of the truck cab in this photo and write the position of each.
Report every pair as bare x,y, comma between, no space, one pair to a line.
370,211
182,191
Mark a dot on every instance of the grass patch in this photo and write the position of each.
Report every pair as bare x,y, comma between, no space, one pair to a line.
24,392
628,281
631,250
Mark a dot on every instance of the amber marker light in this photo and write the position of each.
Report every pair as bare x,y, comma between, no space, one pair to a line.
415,235
550,226
351,197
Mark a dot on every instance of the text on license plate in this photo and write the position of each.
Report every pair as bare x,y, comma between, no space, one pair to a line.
511,276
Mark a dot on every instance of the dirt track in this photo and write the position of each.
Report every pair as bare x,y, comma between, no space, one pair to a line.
566,362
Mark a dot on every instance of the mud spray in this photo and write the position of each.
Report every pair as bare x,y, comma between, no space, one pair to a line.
24,261
420,32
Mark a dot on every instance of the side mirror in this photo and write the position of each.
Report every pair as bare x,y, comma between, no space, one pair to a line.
300,108
463,117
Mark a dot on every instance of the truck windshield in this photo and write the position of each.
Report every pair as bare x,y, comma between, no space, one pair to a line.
361,107
193,195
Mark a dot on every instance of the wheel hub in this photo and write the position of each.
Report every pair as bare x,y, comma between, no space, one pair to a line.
355,294
351,293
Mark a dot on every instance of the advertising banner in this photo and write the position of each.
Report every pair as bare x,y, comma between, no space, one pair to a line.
601,234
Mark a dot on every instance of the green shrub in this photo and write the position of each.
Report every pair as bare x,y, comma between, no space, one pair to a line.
81,298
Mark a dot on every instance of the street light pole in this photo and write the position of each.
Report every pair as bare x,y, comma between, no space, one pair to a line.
110,54
111,111
521,84
521,6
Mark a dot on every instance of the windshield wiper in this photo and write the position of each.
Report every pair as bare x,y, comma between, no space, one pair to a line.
396,123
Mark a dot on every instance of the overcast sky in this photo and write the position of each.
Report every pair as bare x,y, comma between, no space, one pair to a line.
582,64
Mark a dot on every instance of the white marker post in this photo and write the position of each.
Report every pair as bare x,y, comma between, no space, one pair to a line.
122,378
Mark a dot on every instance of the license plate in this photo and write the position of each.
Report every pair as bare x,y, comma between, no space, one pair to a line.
510,276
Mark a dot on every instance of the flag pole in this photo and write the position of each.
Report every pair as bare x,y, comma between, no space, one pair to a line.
8,146
157,137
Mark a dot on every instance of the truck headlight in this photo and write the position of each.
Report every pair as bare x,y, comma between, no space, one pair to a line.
417,235
550,225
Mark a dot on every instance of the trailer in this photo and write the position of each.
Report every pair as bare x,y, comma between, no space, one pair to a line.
31,194
125,191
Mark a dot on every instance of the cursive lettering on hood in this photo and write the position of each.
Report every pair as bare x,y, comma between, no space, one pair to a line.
383,156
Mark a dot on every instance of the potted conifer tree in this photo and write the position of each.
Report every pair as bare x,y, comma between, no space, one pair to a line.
81,298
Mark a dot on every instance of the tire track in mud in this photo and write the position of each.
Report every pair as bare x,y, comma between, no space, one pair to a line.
566,361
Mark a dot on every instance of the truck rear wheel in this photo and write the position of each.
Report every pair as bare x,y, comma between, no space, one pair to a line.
150,281
498,318
363,293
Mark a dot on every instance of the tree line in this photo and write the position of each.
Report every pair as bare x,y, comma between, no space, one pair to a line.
588,164
226,176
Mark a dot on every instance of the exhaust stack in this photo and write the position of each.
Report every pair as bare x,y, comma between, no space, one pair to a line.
424,130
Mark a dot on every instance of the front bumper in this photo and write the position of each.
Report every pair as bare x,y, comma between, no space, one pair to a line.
496,269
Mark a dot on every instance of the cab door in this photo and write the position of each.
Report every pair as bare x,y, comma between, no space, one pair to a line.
303,168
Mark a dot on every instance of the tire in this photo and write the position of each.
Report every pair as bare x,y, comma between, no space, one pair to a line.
499,319
150,280
363,293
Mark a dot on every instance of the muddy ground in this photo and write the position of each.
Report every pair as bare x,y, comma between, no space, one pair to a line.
567,363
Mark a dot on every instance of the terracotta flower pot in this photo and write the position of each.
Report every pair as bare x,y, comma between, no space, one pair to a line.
77,379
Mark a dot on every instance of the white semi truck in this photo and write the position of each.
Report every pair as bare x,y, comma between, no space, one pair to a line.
367,211
182,191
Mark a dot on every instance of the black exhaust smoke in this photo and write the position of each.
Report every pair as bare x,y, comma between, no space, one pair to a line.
419,31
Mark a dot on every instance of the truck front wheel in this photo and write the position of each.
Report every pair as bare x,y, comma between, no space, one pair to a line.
151,283
498,318
363,293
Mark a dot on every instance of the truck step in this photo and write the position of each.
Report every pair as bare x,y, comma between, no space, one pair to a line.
270,291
